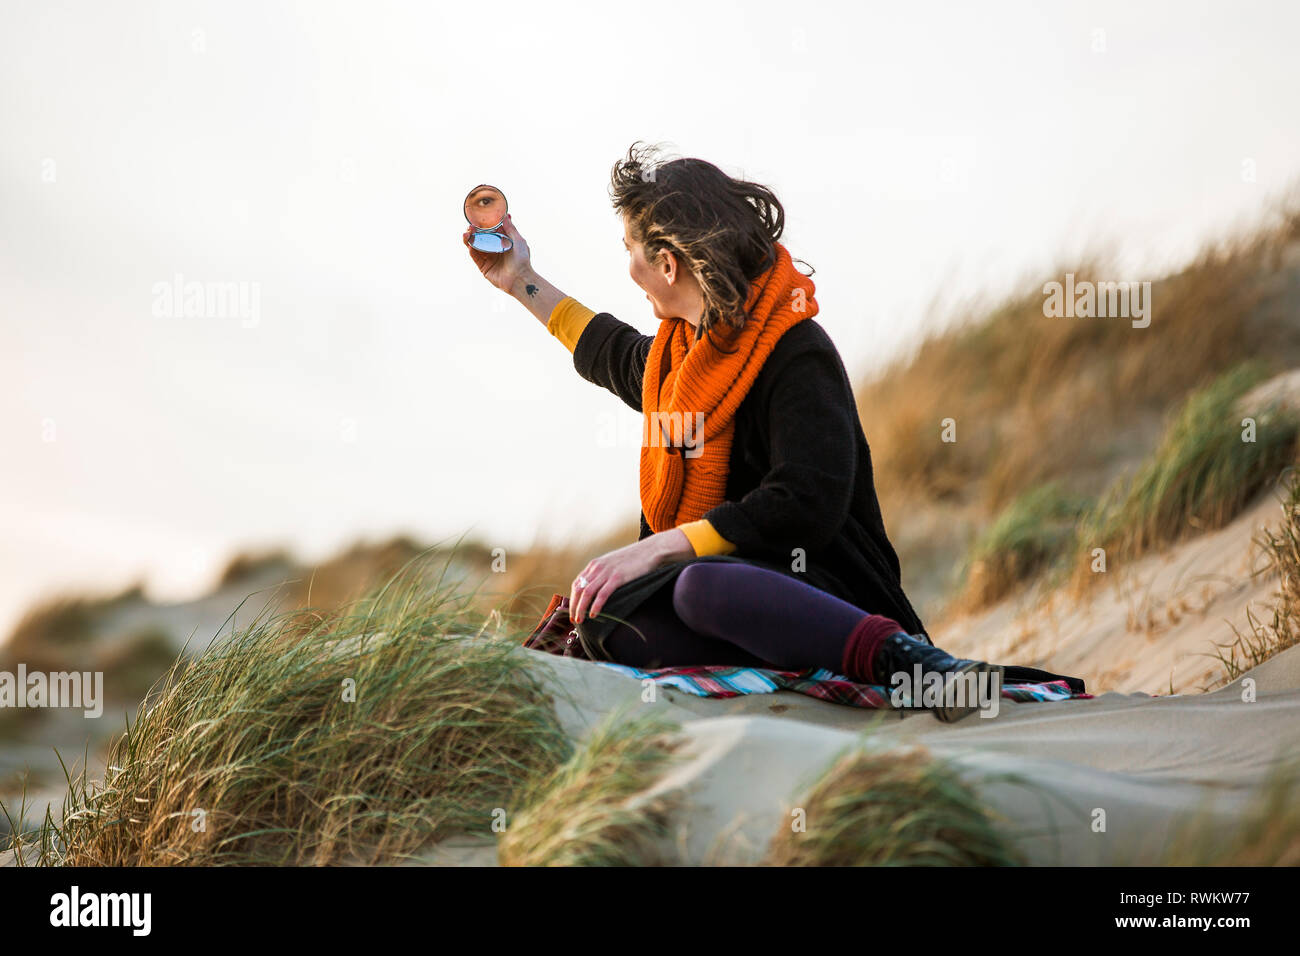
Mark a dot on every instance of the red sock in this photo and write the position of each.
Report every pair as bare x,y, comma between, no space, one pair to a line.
863,642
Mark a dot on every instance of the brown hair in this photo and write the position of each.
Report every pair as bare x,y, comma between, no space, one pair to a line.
724,230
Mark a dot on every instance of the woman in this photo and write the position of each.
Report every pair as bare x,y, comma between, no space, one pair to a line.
761,540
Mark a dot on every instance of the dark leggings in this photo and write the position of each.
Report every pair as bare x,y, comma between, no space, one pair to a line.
737,614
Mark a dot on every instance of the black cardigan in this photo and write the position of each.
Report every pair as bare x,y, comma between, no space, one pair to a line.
800,469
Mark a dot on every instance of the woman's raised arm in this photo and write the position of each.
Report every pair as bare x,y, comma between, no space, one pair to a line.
613,357
512,272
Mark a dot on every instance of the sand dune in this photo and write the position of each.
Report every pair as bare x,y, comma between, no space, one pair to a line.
1151,626
1154,762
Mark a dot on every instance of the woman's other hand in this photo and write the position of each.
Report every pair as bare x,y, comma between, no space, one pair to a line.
602,575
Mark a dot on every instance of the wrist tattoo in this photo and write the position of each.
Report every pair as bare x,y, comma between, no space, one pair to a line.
531,290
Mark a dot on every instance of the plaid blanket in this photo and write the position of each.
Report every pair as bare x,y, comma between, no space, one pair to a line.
822,684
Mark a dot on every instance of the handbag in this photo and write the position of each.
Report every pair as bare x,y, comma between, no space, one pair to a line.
556,633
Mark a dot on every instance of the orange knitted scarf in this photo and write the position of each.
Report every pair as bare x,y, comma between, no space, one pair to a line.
690,394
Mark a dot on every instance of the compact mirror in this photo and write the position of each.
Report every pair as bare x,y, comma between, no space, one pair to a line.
485,210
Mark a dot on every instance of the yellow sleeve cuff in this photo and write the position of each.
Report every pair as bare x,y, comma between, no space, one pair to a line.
705,539
568,319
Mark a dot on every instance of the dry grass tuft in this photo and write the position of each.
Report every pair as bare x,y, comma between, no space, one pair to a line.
1200,476
1031,535
892,808
1269,835
588,812
1280,548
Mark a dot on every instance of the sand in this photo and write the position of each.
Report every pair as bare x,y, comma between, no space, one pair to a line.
1152,764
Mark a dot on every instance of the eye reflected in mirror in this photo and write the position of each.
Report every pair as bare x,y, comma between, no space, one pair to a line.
485,210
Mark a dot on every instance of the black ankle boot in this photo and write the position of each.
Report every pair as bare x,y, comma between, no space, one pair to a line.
902,653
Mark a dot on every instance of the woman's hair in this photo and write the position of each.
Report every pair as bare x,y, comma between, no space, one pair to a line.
724,230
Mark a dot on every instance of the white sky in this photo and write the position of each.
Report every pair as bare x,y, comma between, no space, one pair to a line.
322,151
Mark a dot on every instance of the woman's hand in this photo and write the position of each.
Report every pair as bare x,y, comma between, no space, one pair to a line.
505,270
598,580
512,273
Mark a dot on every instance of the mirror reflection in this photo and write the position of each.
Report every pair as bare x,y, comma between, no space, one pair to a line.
485,210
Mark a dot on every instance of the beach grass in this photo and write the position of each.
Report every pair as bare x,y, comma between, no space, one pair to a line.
1031,534
354,736
998,398
1267,835
1201,475
592,810
891,808
1279,627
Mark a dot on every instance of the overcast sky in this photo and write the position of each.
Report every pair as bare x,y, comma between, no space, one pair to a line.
318,154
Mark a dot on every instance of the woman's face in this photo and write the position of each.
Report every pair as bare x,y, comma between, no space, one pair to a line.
672,291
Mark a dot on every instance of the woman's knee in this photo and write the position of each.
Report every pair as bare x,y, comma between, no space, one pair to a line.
696,596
